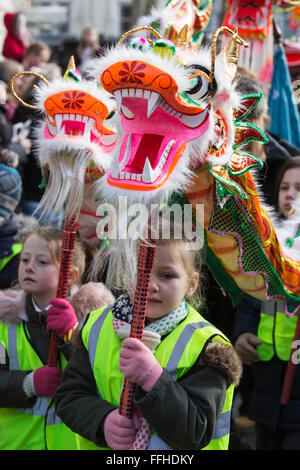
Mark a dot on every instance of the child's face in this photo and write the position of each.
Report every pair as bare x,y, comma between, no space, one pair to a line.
38,273
169,282
288,190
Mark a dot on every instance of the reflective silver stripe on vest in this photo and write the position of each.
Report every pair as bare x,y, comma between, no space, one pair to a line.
180,346
94,334
42,403
12,347
269,308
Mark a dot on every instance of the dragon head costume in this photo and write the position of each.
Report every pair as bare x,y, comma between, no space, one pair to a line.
75,141
184,126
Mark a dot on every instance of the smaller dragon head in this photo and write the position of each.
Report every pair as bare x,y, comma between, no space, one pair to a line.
76,141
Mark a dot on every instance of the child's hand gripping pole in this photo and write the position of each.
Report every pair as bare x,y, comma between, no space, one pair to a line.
291,368
68,240
145,265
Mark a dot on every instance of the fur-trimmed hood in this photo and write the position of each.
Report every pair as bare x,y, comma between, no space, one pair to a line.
89,297
225,359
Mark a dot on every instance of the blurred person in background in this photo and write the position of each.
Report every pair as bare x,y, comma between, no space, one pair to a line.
88,46
9,68
17,38
37,54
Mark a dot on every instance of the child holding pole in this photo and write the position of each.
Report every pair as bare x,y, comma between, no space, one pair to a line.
27,385
184,368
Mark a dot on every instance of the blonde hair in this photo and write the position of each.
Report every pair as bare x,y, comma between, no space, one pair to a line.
53,237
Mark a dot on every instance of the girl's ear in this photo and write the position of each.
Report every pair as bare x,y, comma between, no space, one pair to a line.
192,284
74,276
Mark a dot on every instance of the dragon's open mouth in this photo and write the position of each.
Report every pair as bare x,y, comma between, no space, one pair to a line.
152,147
78,125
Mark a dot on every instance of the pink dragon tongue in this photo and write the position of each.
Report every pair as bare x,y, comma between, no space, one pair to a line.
143,146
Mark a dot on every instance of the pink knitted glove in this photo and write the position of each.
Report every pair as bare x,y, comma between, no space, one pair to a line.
61,318
119,431
46,380
138,364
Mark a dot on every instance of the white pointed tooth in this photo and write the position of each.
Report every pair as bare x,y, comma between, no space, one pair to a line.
78,117
127,151
117,95
85,119
153,102
107,139
146,94
133,176
115,169
124,92
131,92
61,132
58,121
66,116
139,93
72,117
148,175
87,128
52,129
194,120
127,113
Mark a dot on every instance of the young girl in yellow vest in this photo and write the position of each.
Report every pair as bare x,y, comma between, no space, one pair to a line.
184,368
27,314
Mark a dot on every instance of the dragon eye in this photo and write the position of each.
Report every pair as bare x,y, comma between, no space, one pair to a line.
199,87
201,83
111,114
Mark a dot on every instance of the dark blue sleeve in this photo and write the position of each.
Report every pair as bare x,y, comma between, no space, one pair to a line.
246,318
9,274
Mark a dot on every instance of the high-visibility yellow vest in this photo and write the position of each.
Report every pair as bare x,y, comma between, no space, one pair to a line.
177,353
36,428
16,249
276,330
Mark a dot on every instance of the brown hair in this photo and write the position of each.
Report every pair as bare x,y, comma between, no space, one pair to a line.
37,48
53,237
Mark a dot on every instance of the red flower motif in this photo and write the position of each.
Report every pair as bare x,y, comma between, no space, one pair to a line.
73,100
132,73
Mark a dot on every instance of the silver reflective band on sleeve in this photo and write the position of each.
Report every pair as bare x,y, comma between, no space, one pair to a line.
41,404
39,408
156,443
12,347
180,346
222,426
94,334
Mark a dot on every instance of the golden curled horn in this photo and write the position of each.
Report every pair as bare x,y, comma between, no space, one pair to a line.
232,53
12,86
134,30
182,36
